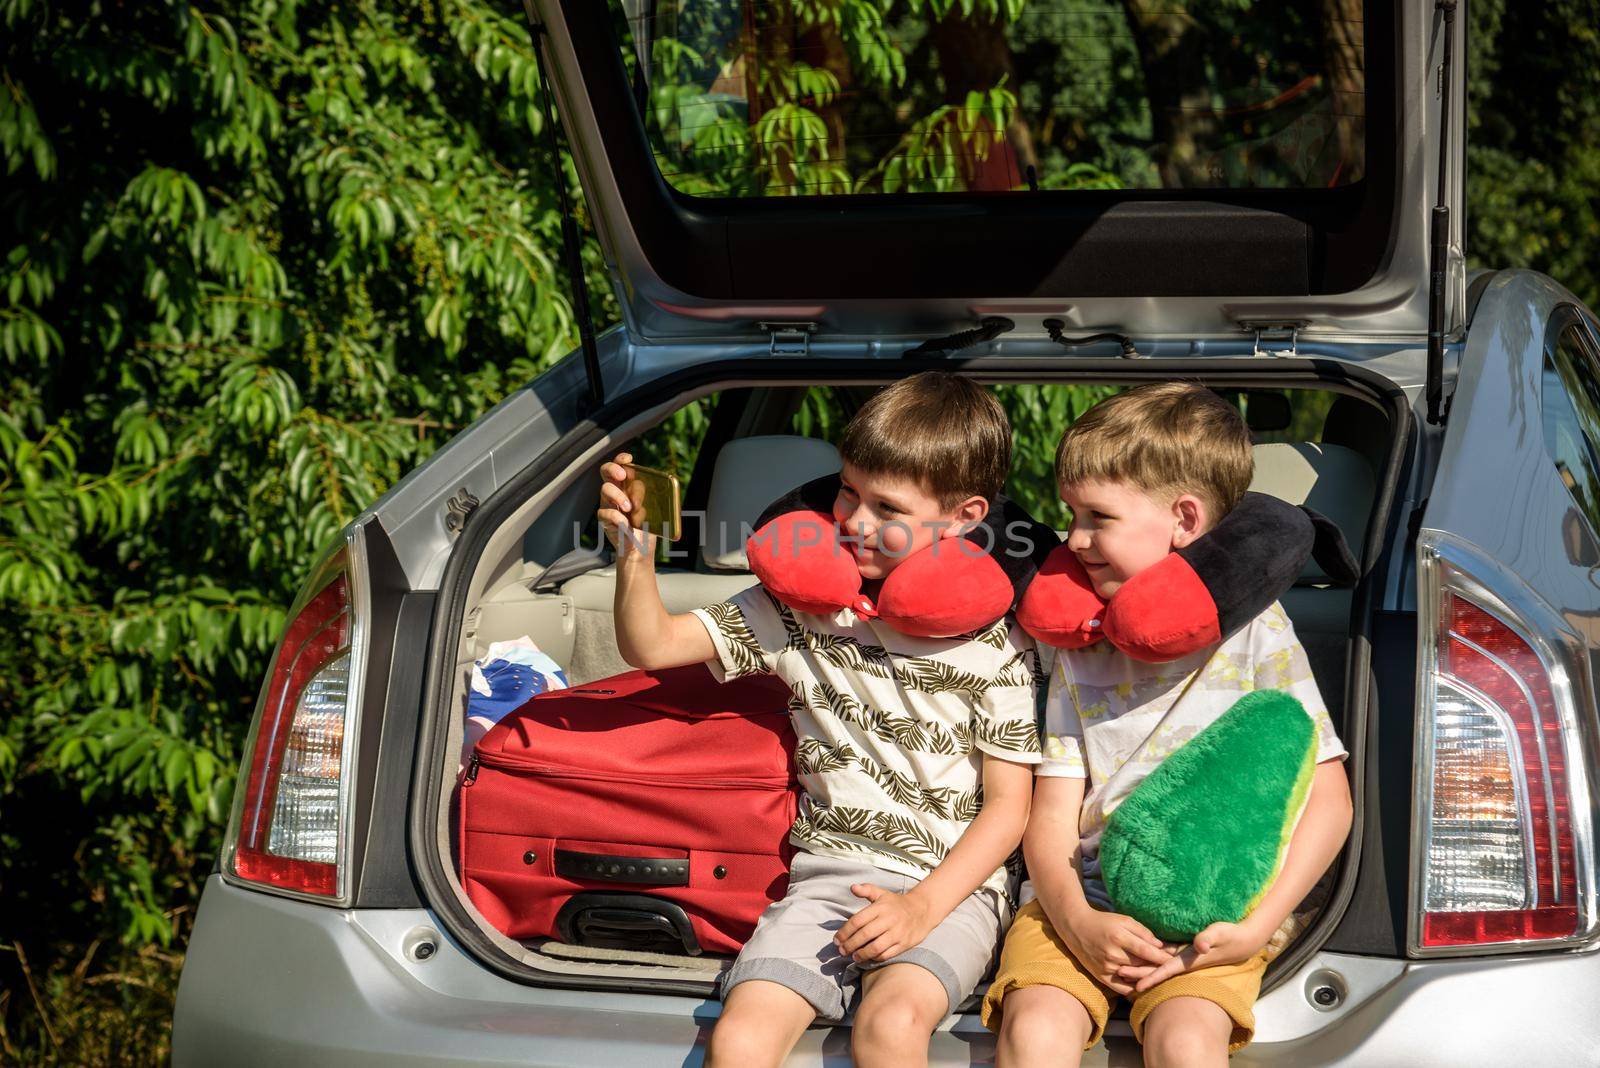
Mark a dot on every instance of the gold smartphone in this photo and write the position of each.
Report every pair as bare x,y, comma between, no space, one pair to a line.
657,504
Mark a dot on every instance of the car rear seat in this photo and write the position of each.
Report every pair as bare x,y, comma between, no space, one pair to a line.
575,623
749,474
1339,483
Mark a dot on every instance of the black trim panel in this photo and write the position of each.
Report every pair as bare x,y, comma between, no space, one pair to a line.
1375,921
392,704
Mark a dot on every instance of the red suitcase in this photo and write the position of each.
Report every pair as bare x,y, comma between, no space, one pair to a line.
649,811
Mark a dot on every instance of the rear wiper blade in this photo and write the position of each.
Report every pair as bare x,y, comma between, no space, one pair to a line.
1055,328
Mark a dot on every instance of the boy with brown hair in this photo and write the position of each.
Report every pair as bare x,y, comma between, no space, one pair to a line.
1145,473
913,752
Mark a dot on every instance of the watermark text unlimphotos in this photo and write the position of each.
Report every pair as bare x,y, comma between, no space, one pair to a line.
801,535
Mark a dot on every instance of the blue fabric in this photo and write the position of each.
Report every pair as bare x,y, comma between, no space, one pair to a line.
511,684
502,681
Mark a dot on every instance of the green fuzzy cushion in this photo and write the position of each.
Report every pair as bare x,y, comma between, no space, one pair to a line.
1201,839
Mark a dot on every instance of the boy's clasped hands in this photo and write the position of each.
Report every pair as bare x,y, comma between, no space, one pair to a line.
1124,955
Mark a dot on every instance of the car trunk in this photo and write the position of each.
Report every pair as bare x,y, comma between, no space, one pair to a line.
488,594
783,265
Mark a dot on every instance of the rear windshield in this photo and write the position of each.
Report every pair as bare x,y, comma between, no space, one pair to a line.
761,98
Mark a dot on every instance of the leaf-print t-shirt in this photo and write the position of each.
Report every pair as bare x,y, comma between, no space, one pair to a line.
1113,719
891,728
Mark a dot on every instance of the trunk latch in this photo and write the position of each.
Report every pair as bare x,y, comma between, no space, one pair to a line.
1279,330
789,339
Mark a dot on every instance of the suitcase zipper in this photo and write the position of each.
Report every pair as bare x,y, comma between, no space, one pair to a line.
552,772
472,771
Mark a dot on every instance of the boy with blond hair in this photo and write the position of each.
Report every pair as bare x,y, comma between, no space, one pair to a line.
1145,473
914,753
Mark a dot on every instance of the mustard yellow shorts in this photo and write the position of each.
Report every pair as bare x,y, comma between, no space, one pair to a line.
1034,955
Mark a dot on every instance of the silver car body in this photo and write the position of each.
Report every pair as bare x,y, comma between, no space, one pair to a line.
271,979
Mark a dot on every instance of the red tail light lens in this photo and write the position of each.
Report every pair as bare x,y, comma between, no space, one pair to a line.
287,830
1502,788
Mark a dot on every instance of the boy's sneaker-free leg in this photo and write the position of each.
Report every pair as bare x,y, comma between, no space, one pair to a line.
760,1024
900,1006
1042,1026
1187,1032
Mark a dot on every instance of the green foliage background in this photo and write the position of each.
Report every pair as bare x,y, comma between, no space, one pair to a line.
260,260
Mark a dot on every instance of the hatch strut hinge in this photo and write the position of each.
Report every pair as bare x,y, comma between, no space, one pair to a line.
989,327
457,509
1057,331
1279,330
1439,230
789,339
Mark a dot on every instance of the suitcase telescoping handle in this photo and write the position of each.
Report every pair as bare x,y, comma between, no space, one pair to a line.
601,867
626,921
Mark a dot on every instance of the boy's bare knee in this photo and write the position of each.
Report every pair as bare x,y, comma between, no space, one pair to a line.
1187,1031
883,1023
1043,1025
745,1040
897,1014
1036,1029
730,1044
758,1026
1177,1046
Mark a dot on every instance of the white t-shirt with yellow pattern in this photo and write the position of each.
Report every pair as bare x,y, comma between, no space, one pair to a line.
891,728
1113,719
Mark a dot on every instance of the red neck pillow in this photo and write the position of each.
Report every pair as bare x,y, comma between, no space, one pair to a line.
1195,597
955,585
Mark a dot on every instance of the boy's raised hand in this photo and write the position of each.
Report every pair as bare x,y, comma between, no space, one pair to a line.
890,924
1108,943
616,508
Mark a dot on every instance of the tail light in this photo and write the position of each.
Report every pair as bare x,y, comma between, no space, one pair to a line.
1504,849
291,809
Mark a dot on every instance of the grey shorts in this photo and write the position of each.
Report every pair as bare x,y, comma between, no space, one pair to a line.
793,941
